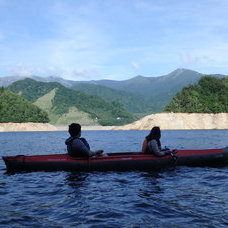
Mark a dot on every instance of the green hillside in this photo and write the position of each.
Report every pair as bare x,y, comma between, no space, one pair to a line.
58,101
156,91
13,108
139,95
132,103
209,95
31,90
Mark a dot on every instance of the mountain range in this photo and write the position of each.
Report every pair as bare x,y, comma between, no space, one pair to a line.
139,95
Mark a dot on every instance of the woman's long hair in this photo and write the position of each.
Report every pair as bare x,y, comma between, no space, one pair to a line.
155,133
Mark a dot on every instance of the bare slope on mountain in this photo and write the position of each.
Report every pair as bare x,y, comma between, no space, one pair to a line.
59,100
45,103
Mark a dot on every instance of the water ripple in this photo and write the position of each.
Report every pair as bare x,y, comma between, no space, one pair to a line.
174,197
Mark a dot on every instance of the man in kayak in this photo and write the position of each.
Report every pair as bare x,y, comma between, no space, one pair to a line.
152,143
76,146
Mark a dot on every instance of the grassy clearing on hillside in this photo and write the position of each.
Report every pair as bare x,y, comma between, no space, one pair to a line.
45,102
57,100
74,115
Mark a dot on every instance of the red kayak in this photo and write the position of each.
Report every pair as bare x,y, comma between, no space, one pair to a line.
116,161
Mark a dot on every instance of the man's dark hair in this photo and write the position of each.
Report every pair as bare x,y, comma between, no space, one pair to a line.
74,129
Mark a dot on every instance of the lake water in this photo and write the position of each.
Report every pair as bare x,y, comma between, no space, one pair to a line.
174,197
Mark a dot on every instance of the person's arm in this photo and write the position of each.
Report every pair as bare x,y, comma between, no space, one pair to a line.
78,145
144,146
92,153
154,148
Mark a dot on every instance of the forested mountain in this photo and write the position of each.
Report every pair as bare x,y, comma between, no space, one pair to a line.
132,103
64,104
209,95
151,94
156,90
13,108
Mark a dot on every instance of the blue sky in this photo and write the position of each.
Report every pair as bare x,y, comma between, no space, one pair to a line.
112,39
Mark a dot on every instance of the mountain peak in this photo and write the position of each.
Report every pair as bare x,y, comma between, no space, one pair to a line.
182,71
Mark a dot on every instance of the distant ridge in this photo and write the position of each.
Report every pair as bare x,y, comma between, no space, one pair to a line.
7,80
154,92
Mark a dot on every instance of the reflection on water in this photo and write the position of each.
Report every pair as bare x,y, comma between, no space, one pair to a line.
76,180
151,186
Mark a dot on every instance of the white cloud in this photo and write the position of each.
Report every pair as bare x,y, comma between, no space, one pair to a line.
24,69
215,56
19,69
53,71
187,59
20,72
135,65
84,74
89,39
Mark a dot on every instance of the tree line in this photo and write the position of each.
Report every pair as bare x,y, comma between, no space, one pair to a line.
209,95
13,108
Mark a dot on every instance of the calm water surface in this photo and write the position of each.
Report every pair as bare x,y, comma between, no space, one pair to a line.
174,197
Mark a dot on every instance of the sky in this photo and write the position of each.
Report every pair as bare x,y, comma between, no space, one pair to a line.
112,39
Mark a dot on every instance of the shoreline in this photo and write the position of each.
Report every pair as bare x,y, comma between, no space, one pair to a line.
166,121
30,126
86,128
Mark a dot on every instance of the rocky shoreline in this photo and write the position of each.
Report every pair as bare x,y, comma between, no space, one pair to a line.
166,121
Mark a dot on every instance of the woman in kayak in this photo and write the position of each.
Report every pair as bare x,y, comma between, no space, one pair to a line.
77,146
152,143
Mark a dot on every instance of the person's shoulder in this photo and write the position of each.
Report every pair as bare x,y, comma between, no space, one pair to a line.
83,139
76,139
68,140
72,139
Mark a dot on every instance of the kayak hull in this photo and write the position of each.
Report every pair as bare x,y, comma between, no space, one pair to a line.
116,161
